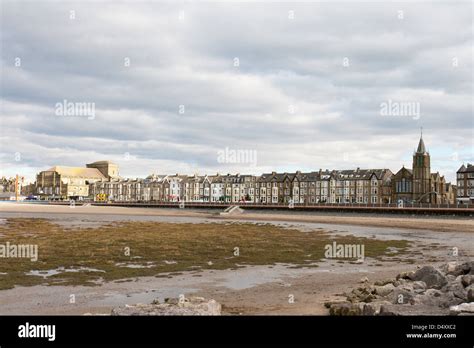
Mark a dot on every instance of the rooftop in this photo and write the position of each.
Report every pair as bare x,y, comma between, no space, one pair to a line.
79,172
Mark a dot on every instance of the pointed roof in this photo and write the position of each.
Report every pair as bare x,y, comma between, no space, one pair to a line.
462,169
421,146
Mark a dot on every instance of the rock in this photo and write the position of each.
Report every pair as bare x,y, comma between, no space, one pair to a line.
434,293
384,290
365,293
456,268
373,308
186,306
419,286
450,268
405,275
431,276
450,278
470,295
436,298
346,309
463,308
383,282
401,296
328,304
471,267
467,280
426,291
457,289
401,281
391,309
364,280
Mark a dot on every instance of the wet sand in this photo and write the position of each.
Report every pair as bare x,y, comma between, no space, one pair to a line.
453,224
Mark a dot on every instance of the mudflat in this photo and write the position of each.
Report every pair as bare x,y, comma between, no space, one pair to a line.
252,263
442,223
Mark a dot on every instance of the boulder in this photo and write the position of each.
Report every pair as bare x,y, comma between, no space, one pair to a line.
463,308
470,294
365,293
467,280
383,282
401,296
431,276
185,306
426,291
436,298
373,308
451,268
391,310
384,290
346,309
457,289
419,286
457,268
406,275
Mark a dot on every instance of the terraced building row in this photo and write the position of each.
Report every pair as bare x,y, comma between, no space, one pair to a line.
101,181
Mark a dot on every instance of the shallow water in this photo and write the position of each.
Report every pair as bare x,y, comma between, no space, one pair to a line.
59,270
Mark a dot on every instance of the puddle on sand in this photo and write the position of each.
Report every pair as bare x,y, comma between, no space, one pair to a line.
134,265
251,276
51,272
243,278
170,262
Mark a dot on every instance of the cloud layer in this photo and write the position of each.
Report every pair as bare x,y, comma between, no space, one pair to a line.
174,84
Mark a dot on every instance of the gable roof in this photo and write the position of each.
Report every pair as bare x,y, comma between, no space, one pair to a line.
406,170
468,169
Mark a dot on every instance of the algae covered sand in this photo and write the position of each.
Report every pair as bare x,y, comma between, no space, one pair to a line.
124,250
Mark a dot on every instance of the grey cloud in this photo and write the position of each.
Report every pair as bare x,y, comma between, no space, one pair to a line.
283,63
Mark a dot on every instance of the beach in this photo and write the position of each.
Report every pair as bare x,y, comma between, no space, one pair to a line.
269,288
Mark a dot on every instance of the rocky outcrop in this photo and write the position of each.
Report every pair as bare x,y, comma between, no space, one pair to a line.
444,290
174,306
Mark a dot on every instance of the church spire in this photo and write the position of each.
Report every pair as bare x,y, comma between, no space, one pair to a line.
421,144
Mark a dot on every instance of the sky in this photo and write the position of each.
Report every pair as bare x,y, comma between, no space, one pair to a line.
182,87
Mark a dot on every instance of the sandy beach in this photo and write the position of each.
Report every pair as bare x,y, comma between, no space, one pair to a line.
251,290
453,224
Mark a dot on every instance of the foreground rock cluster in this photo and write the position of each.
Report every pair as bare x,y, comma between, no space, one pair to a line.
444,290
173,306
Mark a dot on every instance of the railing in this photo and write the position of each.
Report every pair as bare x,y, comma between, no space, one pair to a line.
280,205
294,205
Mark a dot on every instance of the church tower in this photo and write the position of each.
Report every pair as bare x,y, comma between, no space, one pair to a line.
421,173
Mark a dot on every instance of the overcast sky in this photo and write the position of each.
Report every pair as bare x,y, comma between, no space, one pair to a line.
302,85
